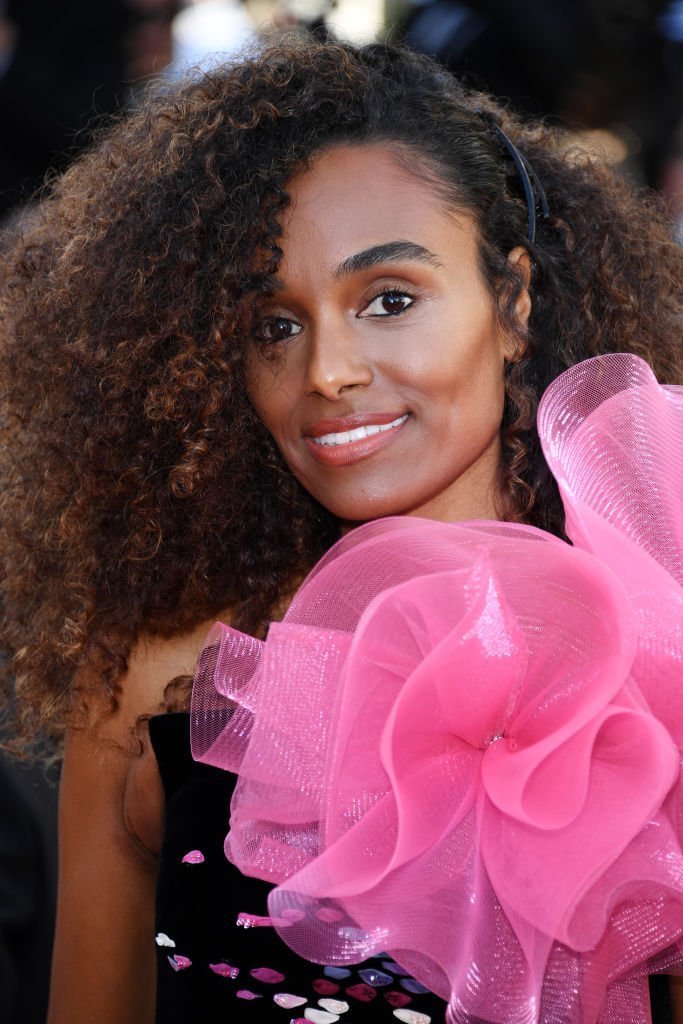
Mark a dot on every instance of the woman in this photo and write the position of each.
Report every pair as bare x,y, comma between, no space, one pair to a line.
315,288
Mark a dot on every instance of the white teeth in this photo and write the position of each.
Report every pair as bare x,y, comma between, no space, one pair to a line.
347,436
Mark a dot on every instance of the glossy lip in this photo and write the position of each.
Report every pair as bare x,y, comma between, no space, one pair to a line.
357,419
354,451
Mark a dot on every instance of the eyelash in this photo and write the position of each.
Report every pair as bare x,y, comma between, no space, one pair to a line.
390,290
384,290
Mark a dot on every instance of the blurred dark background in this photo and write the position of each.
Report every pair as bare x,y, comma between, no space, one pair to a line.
610,69
63,66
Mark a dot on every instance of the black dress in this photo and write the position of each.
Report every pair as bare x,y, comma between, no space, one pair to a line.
210,968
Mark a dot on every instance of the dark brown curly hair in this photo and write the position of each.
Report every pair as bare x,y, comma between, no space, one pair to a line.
139,491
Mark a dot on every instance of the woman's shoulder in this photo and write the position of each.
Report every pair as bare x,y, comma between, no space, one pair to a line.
111,748
154,661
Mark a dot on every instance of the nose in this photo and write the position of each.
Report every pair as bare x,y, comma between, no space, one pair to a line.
336,361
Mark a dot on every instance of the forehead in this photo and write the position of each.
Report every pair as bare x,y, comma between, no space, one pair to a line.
353,197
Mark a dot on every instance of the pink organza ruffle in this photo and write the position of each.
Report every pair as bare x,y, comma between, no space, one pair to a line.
462,745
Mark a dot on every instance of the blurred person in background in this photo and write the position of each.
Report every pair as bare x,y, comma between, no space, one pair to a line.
63,66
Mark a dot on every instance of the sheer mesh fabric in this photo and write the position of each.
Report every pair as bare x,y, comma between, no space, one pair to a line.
462,745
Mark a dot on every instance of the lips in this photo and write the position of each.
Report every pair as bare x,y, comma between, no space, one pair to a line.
336,438
346,439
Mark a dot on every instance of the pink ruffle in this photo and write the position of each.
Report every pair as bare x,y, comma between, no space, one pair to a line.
462,744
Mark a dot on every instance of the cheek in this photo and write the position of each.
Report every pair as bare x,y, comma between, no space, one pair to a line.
266,392
454,376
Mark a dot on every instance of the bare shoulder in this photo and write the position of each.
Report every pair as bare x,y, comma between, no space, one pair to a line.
111,809
152,664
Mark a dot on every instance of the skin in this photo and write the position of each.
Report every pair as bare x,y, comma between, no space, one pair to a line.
110,827
383,310
332,351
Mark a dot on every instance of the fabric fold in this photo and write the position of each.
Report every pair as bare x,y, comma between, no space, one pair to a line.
462,744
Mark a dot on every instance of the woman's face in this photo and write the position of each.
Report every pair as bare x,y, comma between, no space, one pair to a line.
382,383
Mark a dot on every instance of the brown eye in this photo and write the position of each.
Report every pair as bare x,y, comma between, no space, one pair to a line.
278,328
389,303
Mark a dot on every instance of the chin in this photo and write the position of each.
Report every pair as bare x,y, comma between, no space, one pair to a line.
357,512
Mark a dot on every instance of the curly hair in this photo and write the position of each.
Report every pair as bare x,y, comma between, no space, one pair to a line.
139,491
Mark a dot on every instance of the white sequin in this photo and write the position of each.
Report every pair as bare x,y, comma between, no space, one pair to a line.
320,1016
333,1005
288,1001
412,1017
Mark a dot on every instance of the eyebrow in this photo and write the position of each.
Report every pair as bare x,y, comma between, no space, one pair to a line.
388,252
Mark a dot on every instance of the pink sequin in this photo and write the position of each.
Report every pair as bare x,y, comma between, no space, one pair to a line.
267,975
225,970
244,993
178,962
193,857
324,987
363,993
397,999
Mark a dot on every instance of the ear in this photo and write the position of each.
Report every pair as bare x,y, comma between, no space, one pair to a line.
513,347
519,257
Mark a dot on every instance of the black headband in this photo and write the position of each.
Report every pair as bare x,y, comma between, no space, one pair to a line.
528,177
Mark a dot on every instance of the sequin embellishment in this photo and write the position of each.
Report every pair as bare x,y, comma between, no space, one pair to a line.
412,1017
336,972
244,993
288,1001
162,939
178,962
224,970
267,975
376,978
320,1016
334,1005
397,998
324,987
363,993
193,857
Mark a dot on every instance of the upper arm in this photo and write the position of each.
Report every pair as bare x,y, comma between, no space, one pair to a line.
103,965
104,956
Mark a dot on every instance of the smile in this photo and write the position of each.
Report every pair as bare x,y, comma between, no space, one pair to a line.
344,447
358,434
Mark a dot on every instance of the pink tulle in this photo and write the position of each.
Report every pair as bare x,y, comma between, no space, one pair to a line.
462,744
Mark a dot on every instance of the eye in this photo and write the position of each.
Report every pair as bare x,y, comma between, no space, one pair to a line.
277,328
388,303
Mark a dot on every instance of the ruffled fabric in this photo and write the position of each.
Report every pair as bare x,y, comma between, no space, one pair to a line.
462,745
